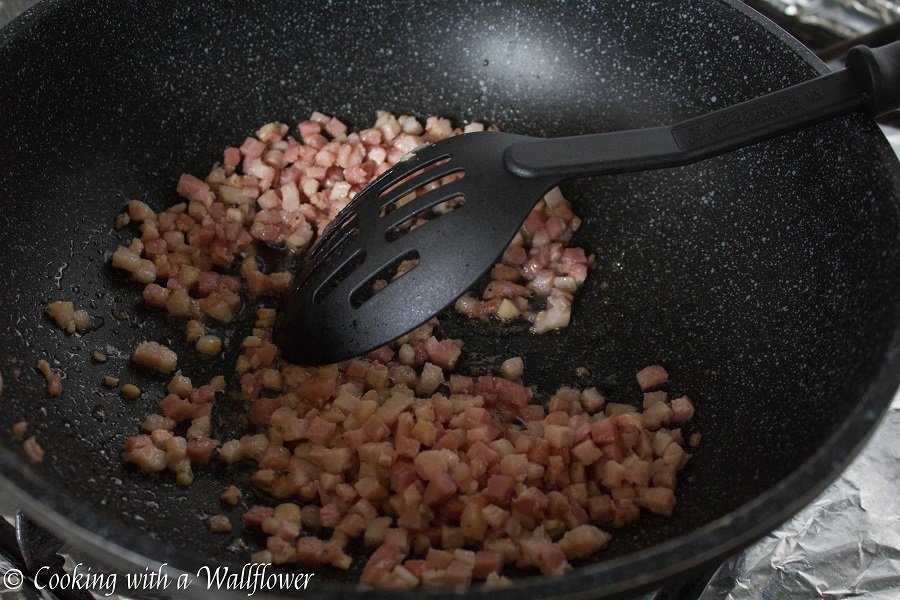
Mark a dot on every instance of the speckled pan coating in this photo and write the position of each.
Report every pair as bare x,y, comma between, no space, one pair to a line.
766,280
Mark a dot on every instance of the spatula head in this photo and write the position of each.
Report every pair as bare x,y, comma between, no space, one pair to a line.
331,314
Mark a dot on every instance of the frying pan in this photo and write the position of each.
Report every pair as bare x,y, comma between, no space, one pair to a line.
766,280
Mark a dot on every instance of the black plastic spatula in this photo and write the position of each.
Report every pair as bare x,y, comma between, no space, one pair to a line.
331,312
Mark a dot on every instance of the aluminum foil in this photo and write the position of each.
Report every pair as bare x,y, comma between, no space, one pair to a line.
846,544
845,18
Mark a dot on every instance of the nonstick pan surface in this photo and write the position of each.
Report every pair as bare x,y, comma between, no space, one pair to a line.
766,280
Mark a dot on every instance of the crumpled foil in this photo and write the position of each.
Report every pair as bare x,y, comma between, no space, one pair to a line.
846,544
845,18
893,137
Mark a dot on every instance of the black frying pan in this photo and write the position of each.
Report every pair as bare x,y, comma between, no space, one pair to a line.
766,280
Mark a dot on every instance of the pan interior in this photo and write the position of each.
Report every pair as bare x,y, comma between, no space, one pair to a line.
765,280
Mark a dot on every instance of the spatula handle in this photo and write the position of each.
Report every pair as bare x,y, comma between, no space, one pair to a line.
871,81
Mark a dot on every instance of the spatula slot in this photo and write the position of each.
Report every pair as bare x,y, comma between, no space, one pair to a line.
421,182
350,264
425,166
421,214
341,230
395,269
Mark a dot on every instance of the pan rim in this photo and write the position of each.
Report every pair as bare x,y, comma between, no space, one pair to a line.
634,572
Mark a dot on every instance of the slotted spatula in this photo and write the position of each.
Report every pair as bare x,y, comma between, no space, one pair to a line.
331,313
